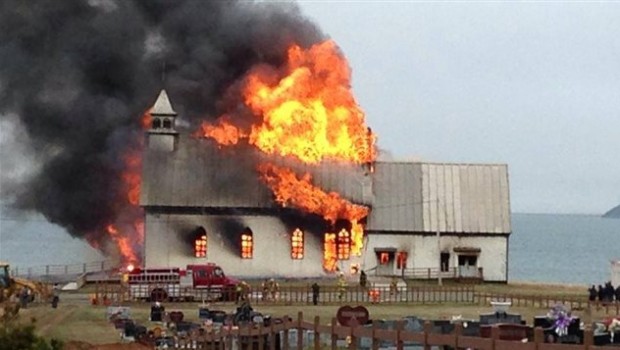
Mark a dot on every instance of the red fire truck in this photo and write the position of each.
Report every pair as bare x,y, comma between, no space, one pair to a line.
196,282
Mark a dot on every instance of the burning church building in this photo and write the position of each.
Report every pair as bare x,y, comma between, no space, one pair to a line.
207,203
286,183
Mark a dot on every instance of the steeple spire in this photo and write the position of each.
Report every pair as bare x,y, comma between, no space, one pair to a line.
162,134
162,105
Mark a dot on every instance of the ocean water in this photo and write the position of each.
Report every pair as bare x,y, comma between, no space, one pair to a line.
573,249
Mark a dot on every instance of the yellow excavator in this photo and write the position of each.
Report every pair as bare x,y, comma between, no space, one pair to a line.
10,287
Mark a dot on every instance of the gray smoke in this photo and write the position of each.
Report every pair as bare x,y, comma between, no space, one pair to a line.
76,76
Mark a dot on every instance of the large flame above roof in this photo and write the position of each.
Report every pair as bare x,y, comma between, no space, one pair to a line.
306,110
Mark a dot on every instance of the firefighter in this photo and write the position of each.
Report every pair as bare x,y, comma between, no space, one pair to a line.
315,293
363,279
243,291
265,289
342,286
394,286
274,289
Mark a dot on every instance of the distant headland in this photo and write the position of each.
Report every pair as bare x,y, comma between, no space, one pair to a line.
613,213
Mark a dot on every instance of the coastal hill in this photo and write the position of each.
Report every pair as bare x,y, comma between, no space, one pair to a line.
613,213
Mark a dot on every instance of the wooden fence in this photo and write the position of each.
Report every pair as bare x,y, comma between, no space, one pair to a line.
314,335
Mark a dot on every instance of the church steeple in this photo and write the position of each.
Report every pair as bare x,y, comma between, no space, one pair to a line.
163,114
162,134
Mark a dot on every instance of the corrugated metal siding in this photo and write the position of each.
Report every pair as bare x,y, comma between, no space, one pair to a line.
426,197
397,200
470,198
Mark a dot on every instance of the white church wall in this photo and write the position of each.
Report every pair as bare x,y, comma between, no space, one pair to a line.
423,252
165,246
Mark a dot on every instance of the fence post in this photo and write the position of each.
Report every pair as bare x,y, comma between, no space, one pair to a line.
399,330
375,342
588,337
494,336
458,331
352,340
229,339
272,336
428,327
334,338
261,340
539,337
317,335
300,335
286,327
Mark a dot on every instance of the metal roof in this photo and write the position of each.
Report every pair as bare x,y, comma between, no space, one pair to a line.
427,197
405,196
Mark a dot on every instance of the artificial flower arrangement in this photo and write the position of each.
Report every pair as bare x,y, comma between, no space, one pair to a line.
561,318
613,326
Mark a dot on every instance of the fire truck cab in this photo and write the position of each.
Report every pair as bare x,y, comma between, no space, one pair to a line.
195,282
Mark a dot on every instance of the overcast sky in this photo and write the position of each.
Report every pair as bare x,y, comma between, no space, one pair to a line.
533,85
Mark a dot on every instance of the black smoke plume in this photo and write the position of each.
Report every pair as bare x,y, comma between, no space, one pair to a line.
77,75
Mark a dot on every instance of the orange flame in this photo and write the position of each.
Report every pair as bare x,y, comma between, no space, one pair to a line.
310,113
123,243
132,178
128,229
301,194
330,257
306,110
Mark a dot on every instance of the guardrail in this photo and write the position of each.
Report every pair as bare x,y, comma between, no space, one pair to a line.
328,295
428,273
43,271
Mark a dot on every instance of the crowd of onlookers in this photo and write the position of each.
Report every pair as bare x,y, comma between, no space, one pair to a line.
604,294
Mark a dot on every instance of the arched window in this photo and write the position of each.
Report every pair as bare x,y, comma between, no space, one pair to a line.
344,245
297,244
167,124
247,244
200,243
156,123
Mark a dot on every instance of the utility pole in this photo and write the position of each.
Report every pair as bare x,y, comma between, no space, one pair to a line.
439,280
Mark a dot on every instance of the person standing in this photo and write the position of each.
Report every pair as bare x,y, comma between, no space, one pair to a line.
315,293
55,295
342,286
592,293
363,279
